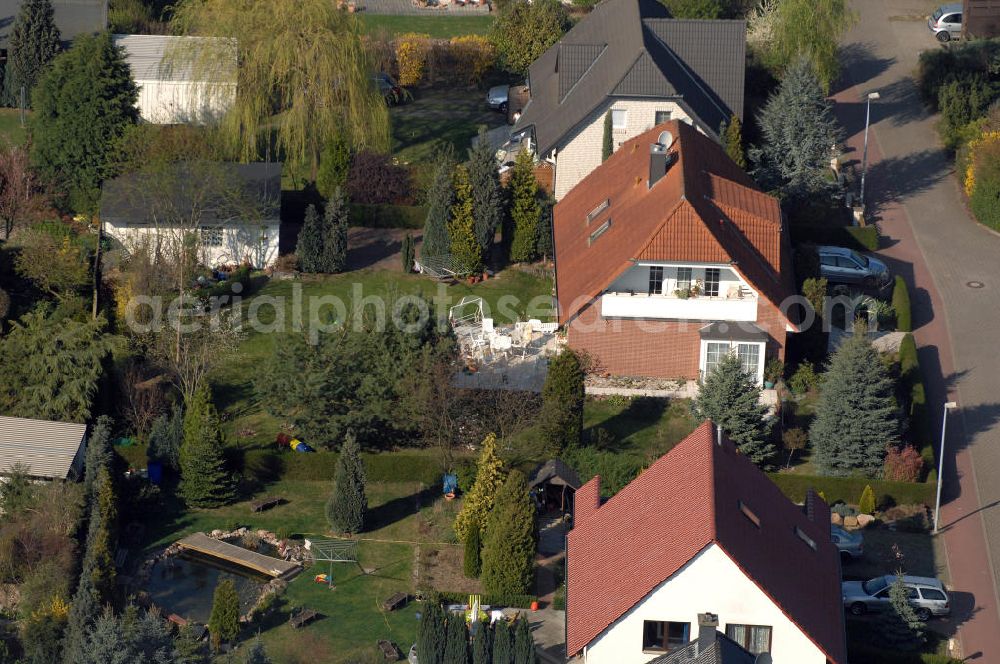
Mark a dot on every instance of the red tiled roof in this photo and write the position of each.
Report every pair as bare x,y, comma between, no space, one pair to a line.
688,499
705,209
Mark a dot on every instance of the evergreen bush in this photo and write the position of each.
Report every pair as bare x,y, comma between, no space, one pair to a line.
509,545
347,505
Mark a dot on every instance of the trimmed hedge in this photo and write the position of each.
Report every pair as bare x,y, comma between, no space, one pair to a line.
901,305
865,654
859,238
513,601
268,466
387,216
913,389
848,489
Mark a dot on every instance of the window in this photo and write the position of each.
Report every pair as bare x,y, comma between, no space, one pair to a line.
715,352
749,355
801,534
211,236
599,231
619,119
749,513
596,212
661,117
660,635
656,280
827,259
712,282
930,593
683,278
755,638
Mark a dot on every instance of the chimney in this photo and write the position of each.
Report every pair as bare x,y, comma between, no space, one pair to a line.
586,501
707,624
817,510
657,163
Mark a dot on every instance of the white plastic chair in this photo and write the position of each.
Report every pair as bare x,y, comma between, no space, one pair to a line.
487,326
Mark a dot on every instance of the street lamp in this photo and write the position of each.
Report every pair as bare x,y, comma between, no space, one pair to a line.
864,156
944,425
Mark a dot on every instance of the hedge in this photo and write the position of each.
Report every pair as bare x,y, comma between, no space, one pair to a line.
848,489
513,601
859,238
901,305
913,386
388,216
865,654
268,466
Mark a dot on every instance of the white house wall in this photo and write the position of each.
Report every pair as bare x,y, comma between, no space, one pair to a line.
579,152
183,102
709,583
256,243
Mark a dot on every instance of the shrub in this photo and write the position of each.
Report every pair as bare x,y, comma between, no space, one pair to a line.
411,56
383,467
474,55
694,8
908,518
903,465
804,379
982,178
849,488
374,179
961,101
844,510
387,216
901,305
559,598
616,470
407,254
884,502
866,504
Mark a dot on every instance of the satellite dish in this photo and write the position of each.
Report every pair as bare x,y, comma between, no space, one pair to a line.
666,139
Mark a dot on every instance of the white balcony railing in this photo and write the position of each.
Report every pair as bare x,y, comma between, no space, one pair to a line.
641,305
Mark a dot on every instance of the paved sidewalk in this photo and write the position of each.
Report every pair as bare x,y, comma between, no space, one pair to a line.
939,249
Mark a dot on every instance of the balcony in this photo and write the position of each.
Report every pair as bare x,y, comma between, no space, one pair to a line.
642,305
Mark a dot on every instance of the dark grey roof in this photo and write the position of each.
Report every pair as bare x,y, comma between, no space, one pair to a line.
245,192
555,469
733,331
73,17
722,651
631,48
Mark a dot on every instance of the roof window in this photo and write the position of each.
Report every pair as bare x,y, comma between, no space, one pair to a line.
801,534
749,514
599,231
596,212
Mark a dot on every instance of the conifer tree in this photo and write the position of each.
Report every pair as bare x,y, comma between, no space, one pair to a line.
730,398
102,538
99,454
165,438
524,645
440,196
482,645
856,417
561,420
543,243
456,649
732,137
465,247
83,612
487,194
478,503
431,634
607,142
335,223
205,481
509,545
503,643
899,624
345,510
256,654
524,209
407,254
224,621
311,240
33,43
866,504
472,563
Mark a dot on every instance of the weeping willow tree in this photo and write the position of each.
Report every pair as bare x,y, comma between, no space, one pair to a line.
303,73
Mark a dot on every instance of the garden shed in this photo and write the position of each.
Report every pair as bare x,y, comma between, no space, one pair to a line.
553,484
45,449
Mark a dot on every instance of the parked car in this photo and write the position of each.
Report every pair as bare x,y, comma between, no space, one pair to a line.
850,544
846,266
927,595
391,91
946,22
497,97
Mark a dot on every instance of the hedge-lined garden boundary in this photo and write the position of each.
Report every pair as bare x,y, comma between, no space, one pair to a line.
387,216
848,489
267,465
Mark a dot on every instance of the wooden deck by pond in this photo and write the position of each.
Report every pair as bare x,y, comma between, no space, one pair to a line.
205,545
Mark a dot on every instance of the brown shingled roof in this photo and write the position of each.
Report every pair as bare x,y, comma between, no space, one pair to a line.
620,551
705,209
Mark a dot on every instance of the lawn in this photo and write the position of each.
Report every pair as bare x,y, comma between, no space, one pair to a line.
644,427
918,554
439,27
10,126
437,117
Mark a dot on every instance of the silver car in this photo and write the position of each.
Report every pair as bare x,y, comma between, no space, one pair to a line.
946,22
497,97
927,595
851,545
846,266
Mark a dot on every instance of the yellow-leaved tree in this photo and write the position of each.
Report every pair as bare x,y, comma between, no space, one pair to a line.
478,503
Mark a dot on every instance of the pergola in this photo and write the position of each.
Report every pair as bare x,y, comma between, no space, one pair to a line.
555,482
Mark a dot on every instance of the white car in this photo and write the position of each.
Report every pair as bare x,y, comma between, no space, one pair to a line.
927,595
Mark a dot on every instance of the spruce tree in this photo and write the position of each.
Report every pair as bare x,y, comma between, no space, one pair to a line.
732,138
478,503
487,194
465,247
205,481
345,510
730,398
256,654
856,418
33,43
899,624
524,645
407,254
99,454
311,240
561,420
482,645
503,643
472,563
509,544
456,649
83,612
431,633
335,224
440,196
224,621
607,142
524,208
334,163
102,538
165,438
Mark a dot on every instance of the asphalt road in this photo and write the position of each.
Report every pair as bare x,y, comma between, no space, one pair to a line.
953,267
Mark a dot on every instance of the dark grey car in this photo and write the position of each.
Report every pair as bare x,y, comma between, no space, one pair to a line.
846,266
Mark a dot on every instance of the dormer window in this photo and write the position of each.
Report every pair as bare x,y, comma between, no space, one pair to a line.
599,231
596,212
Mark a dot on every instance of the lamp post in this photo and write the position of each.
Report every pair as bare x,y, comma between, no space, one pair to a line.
944,426
864,155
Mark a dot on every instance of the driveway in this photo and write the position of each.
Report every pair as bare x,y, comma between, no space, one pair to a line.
952,265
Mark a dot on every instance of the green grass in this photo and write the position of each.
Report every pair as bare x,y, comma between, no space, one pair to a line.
436,117
919,554
437,26
10,126
644,427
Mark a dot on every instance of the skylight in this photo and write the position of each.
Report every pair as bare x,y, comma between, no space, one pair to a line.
749,514
596,212
599,231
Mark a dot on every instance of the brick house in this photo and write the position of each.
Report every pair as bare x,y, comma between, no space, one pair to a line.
668,258
628,59
702,530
